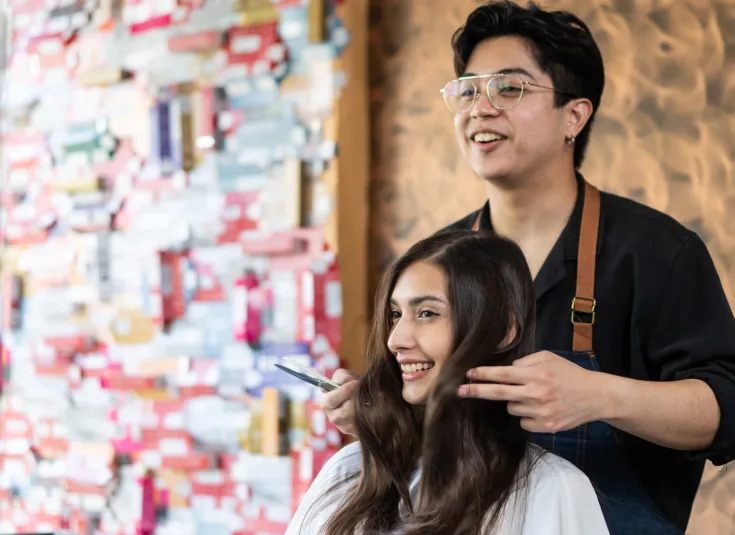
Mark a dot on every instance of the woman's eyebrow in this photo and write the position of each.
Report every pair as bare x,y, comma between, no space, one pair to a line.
416,301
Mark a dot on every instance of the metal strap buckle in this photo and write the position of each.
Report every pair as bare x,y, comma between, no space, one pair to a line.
587,308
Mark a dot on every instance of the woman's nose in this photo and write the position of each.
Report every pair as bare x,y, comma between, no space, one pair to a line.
401,337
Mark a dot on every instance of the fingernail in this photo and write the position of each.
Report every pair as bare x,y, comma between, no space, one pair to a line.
471,373
462,390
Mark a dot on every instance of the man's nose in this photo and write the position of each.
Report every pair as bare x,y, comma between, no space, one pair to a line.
483,106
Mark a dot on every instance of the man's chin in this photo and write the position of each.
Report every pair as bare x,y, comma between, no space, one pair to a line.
494,174
488,165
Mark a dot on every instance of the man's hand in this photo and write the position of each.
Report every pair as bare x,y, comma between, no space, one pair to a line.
338,403
548,392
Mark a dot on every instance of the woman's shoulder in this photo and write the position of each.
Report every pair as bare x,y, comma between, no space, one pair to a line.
345,463
561,498
550,469
316,505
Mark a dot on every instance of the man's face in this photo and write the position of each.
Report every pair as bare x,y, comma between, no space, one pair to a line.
532,133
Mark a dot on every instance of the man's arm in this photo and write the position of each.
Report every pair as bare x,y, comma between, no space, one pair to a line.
688,332
552,394
681,415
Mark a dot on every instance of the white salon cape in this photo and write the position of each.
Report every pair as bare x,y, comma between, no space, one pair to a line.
559,499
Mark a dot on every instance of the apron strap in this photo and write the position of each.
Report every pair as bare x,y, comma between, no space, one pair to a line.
584,298
476,226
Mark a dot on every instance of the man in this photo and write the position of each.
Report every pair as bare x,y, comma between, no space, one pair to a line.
647,392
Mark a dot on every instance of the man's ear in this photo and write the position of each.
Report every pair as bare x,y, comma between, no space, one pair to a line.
578,113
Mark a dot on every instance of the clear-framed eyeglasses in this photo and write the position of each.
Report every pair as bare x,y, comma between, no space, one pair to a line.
504,91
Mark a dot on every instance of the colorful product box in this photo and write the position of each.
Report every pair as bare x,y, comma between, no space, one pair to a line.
163,254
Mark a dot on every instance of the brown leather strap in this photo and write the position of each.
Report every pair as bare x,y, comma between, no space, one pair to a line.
476,226
584,299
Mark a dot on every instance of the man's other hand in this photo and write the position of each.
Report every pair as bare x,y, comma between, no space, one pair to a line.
338,405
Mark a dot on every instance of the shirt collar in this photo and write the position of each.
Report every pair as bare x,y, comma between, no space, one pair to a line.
569,239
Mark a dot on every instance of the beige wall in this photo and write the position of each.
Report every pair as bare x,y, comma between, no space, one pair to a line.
665,135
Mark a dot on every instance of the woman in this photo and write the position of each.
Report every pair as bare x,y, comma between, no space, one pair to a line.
429,462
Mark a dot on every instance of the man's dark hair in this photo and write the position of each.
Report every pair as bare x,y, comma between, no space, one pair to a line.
560,42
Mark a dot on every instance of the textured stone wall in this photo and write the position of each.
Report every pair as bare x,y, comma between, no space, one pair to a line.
665,135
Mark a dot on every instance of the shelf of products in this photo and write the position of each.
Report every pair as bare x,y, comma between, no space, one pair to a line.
173,225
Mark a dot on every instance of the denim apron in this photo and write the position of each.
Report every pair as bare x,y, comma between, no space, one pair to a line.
597,448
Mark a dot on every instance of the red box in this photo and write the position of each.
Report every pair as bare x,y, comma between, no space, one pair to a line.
256,49
306,465
236,217
195,42
172,286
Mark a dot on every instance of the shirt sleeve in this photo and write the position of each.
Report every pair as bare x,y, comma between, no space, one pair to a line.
315,510
692,336
565,504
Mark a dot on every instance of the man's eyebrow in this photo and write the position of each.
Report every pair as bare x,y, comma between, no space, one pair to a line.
516,70
505,70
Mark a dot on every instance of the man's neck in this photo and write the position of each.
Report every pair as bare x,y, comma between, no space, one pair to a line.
526,210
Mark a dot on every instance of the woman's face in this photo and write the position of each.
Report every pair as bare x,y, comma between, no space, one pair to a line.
421,335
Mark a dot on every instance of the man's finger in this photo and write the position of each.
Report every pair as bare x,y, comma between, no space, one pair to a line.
534,359
532,426
540,425
341,417
519,408
334,399
342,376
501,374
494,392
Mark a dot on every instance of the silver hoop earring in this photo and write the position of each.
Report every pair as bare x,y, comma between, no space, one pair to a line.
570,141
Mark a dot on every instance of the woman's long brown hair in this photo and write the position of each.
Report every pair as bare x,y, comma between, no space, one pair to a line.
471,452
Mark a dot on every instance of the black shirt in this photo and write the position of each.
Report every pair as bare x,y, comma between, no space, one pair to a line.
661,315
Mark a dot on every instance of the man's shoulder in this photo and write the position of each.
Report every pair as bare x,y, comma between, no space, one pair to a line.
640,225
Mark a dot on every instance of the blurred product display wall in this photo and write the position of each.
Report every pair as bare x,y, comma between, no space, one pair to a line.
665,135
173,223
